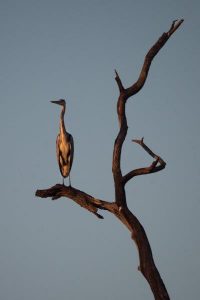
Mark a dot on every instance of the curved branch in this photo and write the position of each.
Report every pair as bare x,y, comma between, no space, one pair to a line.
84,200
120,195
147,265
153,168
136,87
146,261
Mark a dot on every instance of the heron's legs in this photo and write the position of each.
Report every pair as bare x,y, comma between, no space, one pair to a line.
69,180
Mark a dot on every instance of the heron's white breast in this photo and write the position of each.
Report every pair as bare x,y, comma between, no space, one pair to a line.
64,145
64,148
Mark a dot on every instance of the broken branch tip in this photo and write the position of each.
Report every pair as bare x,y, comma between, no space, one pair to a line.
116,73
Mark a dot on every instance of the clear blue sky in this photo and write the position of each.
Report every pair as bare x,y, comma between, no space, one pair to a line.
69,49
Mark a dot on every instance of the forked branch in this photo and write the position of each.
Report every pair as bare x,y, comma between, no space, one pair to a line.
157,165
147,265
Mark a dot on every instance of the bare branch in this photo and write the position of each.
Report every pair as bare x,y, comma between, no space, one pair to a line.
136,87
147,265
146,261
120,197
175,26
84,200
119,82
148,150
153,168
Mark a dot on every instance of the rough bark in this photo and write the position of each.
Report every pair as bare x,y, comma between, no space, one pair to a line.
119,208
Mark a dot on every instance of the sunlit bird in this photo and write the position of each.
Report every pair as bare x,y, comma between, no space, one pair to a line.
64,145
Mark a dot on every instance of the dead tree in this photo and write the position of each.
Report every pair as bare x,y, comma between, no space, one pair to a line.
119,208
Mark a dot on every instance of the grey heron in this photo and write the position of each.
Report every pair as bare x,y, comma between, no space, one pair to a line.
64,145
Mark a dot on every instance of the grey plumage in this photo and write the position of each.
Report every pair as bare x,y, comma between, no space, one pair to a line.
64,145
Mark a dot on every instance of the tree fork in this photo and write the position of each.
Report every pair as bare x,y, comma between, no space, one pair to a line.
119,207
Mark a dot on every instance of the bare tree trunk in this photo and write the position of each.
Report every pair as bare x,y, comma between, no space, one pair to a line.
119,208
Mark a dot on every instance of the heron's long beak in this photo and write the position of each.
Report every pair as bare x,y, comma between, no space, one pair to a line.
56,102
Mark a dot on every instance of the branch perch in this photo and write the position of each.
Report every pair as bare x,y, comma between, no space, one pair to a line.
84,200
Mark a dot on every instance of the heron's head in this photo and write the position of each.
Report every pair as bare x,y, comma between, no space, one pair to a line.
59,102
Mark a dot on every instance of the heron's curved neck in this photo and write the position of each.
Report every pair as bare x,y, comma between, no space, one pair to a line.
62,123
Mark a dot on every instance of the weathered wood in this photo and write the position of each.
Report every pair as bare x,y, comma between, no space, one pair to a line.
119,208
153,168
84,200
